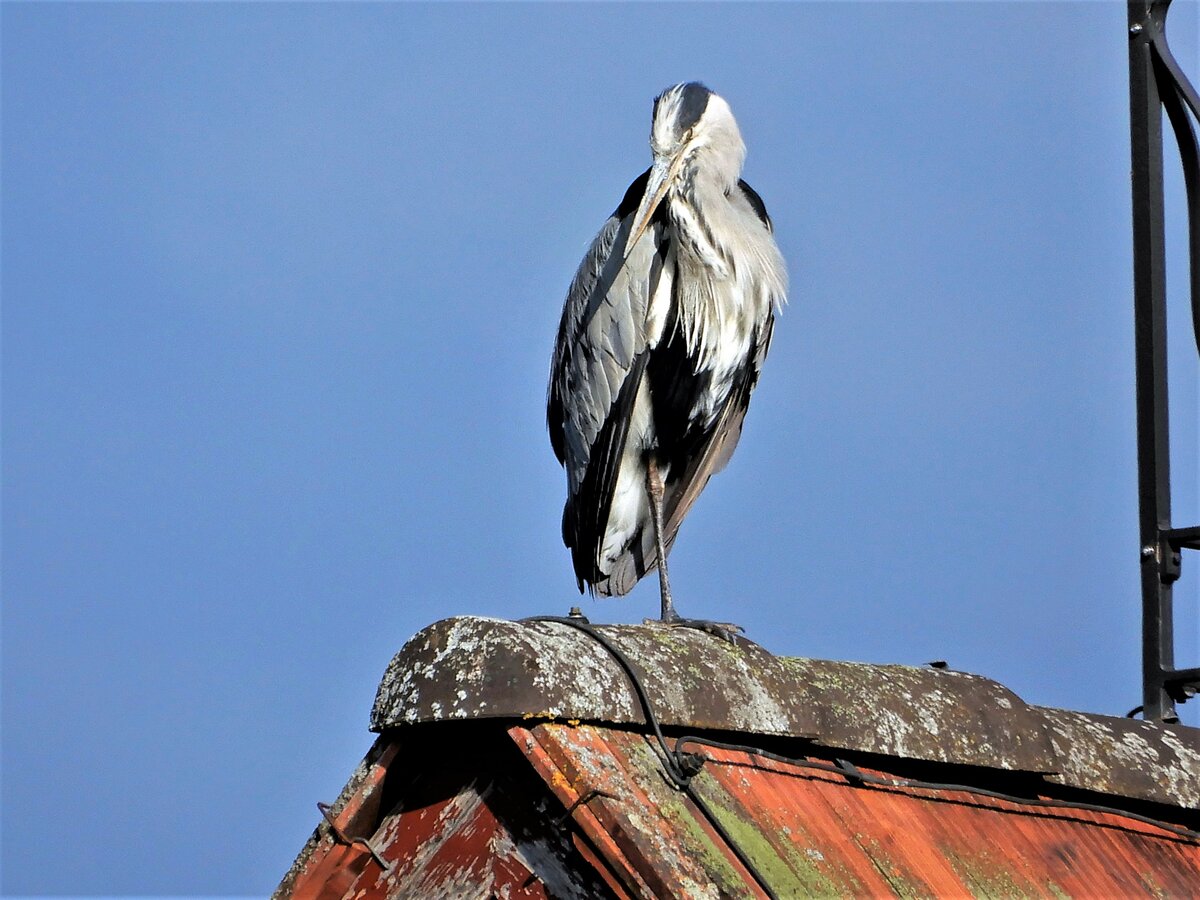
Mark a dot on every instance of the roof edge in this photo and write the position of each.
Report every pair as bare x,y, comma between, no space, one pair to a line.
479,668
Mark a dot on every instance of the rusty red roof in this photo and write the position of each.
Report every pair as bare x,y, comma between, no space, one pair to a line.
516,760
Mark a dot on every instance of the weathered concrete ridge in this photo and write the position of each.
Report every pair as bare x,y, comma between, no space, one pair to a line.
477,668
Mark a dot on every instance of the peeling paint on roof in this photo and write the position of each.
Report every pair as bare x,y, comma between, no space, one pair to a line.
460,819
514,761
814,833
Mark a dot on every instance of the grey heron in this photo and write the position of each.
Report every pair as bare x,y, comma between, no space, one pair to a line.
663,335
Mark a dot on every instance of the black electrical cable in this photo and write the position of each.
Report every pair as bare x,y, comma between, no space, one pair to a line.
680,767
679,774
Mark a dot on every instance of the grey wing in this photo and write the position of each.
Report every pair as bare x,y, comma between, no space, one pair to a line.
570,416
595,278
599,359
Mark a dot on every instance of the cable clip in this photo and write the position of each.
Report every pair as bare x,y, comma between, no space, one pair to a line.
342,838
851,772
689,764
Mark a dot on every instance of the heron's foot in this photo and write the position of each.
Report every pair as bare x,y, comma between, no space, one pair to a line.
726,631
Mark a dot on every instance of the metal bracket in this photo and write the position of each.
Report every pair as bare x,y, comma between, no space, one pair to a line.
1183,684
1170,561
1188,538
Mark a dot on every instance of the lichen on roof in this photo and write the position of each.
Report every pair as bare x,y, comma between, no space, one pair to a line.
473,668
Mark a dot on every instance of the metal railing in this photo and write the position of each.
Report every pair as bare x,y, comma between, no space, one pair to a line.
1156,84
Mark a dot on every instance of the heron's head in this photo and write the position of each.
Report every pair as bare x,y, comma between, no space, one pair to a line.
692,123
693,136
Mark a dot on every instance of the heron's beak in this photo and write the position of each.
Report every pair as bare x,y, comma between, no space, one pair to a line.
662,173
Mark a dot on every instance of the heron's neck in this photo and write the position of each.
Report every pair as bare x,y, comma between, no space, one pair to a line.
701,214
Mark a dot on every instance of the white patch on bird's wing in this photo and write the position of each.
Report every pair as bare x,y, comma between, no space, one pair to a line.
630,509
660,303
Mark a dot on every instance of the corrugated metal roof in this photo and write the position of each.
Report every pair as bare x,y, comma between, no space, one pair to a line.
514,762
814,833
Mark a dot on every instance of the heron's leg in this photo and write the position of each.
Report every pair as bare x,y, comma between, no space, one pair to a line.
654,487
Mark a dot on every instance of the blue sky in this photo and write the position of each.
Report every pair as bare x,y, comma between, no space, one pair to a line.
280,284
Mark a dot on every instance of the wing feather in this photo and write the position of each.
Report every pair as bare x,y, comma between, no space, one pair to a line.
585,516
582,328
597,368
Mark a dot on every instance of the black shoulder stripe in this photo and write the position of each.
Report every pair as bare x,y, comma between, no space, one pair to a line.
760,208
677,385
633,196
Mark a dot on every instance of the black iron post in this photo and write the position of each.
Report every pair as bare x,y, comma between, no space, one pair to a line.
1156,84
